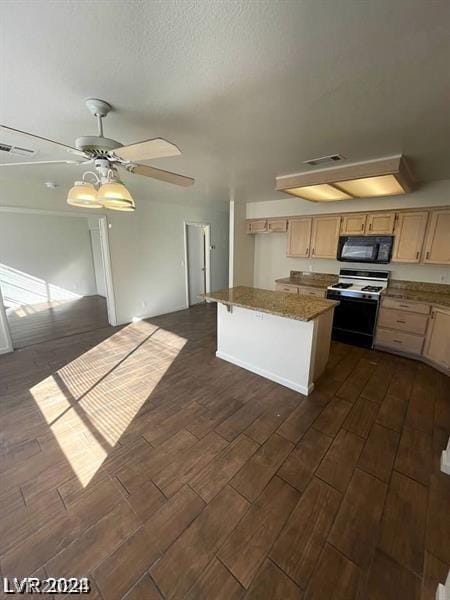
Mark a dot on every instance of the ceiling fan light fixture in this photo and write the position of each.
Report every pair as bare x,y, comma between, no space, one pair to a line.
83,195
115,196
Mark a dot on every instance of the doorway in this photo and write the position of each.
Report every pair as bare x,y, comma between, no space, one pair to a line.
197,261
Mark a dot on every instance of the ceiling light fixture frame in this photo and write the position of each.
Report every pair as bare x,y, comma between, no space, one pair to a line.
336,176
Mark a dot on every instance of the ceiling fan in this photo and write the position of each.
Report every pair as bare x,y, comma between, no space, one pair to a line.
106,190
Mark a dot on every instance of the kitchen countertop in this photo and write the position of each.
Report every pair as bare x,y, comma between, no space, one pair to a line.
291,306
315,280
429,297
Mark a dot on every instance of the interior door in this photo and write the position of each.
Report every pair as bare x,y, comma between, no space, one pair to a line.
196,261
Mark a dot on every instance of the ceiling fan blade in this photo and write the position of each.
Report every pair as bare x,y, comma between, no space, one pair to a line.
146,150
43,139
166,176
42,162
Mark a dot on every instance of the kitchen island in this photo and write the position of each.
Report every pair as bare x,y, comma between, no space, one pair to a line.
283,337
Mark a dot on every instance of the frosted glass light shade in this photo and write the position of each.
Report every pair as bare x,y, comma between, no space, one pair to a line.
83,195
319,193
115,196
383,185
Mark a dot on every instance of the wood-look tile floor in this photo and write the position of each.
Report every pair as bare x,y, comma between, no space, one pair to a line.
136,457
36,323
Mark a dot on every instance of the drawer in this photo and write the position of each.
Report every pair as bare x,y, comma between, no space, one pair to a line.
308,291
398,304
404,342
285,287
403,320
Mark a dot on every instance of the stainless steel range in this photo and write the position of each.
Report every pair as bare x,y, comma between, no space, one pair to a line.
358,292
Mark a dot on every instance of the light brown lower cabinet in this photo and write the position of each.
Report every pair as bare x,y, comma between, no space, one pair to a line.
286,287
415,329
437,342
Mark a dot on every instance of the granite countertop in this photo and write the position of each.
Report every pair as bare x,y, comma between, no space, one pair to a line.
316,280
430,297
282,304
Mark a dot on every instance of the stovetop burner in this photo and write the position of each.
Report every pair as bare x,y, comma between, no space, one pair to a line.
372,288
342,286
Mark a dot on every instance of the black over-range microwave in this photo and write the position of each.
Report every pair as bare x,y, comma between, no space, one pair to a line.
365,249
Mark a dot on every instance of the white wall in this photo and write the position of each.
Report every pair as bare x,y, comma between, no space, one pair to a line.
270,261
147,253
44,257
146,247
242,252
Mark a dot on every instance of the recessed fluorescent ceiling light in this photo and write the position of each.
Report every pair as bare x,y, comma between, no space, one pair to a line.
380,177
319,193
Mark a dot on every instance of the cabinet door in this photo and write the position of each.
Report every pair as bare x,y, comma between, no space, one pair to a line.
257,226
277,225
299,237
437,343
409,234
380,223
324,239
437,245
353,224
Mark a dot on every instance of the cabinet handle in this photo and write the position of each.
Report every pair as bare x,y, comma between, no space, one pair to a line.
427,255
312,252
403,322
307,251
370,227
398,341
404,305
417,254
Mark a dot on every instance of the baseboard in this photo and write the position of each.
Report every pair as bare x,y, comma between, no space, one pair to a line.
420,358
267,374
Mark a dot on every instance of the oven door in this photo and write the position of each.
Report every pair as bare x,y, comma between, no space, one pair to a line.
354,320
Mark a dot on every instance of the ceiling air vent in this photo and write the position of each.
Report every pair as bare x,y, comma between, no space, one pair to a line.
314,162
17,150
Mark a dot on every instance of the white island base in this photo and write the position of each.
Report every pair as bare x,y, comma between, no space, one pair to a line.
288,351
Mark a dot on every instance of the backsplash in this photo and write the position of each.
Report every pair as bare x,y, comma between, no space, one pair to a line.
271,262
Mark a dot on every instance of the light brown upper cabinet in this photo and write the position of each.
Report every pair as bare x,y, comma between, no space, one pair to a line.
380,223
299,237
437,341
324,238
409,234
353,224
437,244
276,225
257,226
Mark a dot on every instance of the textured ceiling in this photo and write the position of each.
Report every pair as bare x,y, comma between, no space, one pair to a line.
247,89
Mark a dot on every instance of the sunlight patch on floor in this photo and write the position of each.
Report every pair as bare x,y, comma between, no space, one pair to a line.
90,402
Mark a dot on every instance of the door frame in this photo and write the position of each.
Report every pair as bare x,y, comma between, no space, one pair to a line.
207,227
104,227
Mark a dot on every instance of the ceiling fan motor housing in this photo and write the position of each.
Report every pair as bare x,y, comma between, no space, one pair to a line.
96,146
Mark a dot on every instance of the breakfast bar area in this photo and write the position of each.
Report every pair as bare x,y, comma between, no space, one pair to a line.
283,337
